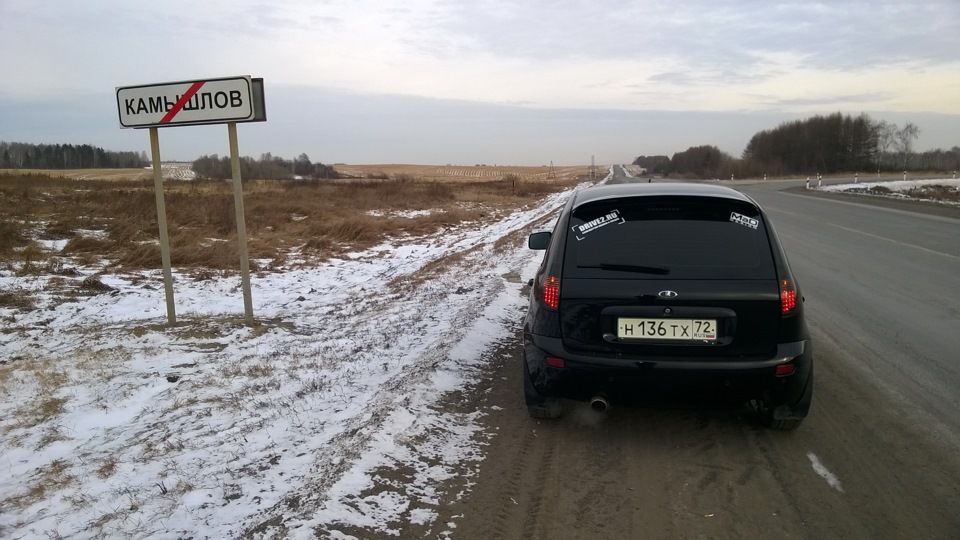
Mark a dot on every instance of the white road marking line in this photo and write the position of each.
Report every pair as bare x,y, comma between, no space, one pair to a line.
899,243
824,472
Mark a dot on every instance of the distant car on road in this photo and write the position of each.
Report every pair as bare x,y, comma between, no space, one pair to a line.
658,290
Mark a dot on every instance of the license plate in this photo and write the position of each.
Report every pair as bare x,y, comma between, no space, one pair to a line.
672,329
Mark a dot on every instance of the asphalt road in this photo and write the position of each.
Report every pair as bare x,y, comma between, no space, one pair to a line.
883,286
878,457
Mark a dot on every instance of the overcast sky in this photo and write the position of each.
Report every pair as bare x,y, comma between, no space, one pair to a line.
481,81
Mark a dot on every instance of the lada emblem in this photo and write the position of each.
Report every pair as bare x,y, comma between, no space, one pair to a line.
667,294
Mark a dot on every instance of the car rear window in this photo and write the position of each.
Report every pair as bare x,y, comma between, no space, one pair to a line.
668,238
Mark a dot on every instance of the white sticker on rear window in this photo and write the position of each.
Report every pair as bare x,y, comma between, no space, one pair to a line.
612,217
744,220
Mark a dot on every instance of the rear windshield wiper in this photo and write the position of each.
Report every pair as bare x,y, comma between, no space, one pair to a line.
632,268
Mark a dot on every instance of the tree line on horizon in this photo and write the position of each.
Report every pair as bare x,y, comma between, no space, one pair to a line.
268,167
19,155
829,144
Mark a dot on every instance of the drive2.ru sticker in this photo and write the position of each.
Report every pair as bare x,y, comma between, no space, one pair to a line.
612,217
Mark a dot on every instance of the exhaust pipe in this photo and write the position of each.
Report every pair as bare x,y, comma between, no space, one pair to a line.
599,404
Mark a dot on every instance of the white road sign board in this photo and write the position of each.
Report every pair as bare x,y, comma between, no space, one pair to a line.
212,101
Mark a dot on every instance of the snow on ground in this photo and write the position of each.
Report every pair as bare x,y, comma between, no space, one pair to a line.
113,424
400,213
898,188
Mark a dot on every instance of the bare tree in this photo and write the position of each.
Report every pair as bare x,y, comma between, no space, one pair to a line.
886,133
904,140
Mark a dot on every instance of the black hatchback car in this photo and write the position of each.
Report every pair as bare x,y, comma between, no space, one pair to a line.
665,290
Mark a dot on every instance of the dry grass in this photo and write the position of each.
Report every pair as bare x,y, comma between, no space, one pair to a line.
97,174
52,478
17,299
12,237
455,173
115,220
936,192
429,271
45,403
514,240
107,466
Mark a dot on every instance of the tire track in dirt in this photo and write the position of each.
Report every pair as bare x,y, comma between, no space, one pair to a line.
513,489
536,483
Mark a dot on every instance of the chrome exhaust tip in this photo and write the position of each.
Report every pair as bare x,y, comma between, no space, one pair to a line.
599,404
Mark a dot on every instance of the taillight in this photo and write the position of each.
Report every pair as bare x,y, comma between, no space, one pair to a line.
551,292
788,297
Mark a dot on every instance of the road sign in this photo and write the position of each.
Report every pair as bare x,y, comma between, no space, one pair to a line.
226,100
211,101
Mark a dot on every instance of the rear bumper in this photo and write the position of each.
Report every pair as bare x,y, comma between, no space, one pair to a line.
658,378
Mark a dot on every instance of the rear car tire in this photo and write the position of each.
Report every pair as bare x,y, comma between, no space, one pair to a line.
538,406
769,422
796,412
768,418
550,409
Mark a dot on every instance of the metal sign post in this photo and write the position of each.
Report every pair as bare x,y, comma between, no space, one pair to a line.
226,100
162,221
241,224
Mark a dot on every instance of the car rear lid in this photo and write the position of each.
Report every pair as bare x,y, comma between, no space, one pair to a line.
686,276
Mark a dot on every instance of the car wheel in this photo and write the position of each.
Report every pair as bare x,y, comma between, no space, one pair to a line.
549,409
538,406
791,414
765,413
765,410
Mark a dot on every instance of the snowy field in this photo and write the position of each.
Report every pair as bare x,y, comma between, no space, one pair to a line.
332,414
900,189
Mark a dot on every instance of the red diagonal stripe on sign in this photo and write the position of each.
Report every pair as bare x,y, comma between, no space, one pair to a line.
181,102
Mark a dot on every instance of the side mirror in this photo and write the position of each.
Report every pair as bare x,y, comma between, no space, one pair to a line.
539,240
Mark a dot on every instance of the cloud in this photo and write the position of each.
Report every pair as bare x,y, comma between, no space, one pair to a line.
346,43
774,58
826,101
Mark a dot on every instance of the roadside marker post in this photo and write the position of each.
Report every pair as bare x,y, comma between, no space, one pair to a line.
226,100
